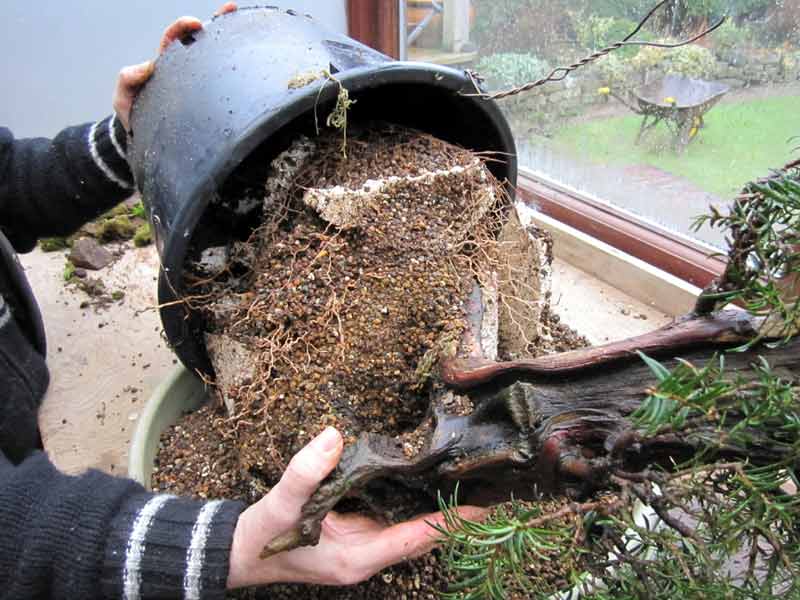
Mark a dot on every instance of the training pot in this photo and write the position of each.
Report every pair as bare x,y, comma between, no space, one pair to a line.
235,87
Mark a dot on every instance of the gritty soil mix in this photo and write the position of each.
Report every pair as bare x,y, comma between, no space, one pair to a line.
337,309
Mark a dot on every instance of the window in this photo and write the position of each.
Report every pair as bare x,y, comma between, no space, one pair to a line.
644,138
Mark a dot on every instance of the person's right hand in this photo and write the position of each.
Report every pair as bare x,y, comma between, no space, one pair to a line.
131,79
351,548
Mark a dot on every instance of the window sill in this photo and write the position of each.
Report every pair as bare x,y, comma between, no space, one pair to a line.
654,288
676,255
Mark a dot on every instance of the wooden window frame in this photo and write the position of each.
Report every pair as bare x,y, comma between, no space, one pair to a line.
375,23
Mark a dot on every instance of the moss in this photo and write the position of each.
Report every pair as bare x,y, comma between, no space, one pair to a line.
138,211
118,211
116,228
69,271
54,244
303,79
117,295
143,236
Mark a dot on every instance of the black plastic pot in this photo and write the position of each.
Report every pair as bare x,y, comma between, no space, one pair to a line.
219,97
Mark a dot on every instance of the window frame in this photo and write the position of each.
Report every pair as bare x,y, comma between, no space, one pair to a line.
376,24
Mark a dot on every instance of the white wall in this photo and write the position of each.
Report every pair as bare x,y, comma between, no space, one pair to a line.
60,58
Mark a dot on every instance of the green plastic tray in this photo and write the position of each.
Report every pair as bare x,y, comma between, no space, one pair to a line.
178,394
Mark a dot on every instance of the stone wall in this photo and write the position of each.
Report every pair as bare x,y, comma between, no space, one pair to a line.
577,93
739,70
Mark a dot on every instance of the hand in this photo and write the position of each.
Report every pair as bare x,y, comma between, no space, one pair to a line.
131,79
351,548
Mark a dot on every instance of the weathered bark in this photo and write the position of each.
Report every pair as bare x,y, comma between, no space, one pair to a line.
556,425
720,329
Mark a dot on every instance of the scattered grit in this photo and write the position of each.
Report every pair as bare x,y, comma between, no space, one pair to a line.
336,310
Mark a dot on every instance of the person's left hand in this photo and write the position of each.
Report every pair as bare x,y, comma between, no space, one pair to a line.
351,547
131,79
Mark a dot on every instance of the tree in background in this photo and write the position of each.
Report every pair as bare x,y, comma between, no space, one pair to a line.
538,27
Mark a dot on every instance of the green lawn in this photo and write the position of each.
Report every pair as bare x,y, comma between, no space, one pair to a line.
740,142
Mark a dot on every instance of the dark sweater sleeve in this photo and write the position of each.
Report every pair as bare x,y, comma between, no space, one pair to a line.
96,536
52,187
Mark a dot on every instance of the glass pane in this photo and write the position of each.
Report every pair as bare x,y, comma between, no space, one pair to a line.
661,133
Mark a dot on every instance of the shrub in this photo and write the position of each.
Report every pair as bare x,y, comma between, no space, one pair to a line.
731,36
648,57
615,72
690,61
596,33
511,69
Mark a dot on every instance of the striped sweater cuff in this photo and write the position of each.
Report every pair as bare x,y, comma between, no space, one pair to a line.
167,547
108,145
5,312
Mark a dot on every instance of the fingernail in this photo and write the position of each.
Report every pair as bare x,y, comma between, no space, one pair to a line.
327,441
139,70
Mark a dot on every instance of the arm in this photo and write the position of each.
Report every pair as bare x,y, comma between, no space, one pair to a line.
52,187
96,536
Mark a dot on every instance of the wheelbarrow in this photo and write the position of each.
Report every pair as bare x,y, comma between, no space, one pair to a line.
680,102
